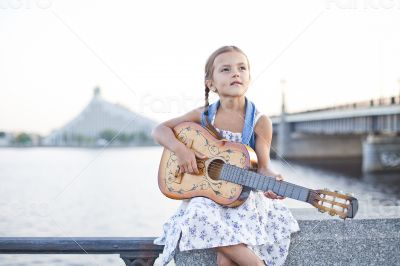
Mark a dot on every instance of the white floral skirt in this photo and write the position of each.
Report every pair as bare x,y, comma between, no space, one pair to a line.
263,224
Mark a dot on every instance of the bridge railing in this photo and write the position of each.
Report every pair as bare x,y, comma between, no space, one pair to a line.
138,251
384,101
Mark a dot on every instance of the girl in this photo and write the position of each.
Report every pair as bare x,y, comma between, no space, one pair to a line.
256,232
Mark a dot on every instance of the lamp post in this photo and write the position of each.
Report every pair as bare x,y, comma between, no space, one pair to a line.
283,90
398,96
283,132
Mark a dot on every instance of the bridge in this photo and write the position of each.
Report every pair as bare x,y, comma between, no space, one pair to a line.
369,130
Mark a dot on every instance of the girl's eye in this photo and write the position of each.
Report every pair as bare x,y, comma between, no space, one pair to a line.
224,69
243,68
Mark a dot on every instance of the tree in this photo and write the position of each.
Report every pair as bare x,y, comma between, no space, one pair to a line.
108,134
23,139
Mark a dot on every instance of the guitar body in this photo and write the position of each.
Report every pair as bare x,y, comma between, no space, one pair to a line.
206,184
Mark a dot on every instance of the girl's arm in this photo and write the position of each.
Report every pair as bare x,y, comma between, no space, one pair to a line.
263,131
164,135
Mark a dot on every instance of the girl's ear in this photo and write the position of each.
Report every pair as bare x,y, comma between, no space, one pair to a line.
209,83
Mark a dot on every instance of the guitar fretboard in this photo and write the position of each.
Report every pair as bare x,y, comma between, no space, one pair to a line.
255,180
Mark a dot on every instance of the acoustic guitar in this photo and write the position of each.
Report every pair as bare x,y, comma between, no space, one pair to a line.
228,174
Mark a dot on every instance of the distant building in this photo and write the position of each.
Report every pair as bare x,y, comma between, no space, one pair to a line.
101,123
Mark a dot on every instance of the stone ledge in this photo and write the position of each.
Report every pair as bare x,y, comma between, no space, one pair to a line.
372,238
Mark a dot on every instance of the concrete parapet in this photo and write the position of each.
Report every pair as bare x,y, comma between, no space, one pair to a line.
369,239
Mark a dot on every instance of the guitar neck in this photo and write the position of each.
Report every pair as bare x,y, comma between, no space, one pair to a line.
255,180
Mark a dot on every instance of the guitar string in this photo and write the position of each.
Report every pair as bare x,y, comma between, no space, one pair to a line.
217,169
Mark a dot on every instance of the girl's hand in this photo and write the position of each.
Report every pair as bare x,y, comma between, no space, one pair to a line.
270,194
187,160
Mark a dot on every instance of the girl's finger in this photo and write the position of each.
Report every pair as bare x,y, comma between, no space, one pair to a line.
190,169
267,195
270,194
199,155
194,166
185,169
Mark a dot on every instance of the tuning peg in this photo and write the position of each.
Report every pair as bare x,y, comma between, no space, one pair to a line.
339,191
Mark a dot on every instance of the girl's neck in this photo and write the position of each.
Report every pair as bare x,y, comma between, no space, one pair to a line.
233,104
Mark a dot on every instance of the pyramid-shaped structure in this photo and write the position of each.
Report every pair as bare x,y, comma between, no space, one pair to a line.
102,122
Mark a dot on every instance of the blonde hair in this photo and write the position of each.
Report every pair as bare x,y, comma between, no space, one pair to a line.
209,69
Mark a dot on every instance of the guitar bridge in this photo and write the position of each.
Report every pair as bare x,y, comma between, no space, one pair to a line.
178,176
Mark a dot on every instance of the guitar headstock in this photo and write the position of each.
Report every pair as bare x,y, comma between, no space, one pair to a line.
334,202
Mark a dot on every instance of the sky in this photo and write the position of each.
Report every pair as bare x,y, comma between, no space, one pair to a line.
149,55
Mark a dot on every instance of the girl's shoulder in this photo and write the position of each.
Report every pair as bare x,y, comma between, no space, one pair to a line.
263,124
258,114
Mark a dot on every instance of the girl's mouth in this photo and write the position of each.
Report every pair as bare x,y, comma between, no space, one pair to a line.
236,83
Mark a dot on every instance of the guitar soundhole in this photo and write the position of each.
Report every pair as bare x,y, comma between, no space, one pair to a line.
214,168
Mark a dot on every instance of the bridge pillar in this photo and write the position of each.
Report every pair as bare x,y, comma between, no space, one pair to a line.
284,132
283,137
381,153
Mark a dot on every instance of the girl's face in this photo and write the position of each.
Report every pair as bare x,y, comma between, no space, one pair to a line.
231,76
